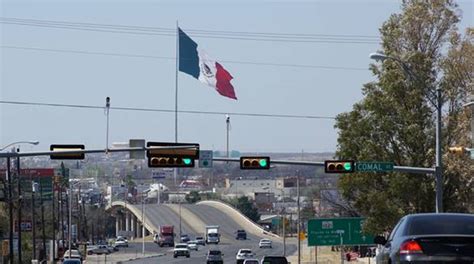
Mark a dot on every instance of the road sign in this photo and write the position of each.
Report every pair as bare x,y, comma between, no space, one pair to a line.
328,232
374,166
205,159
137,143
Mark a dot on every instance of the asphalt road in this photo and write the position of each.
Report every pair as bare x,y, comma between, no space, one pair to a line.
207,215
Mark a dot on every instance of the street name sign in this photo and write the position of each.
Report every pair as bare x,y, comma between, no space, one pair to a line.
205,158
329,231
374,166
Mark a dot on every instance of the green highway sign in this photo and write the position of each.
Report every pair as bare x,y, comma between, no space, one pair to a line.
374,166
329,231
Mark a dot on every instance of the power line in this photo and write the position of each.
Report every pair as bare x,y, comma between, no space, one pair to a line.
167,110
174,58
173,30
234,35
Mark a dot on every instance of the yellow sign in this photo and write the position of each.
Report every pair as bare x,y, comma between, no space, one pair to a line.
302,236
5,248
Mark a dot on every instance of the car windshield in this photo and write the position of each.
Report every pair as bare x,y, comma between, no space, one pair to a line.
251,262
246,251
182,246
441,224
213,235
199,238
214,252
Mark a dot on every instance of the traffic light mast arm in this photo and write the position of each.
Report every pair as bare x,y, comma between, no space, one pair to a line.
407,169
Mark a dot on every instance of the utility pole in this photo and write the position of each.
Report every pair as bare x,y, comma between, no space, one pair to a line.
43,224
298,227
54,223
10,210
33,219
227,121
19,206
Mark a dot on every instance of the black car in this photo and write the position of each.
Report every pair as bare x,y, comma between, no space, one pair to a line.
241,234
214,256
185,238
274,260
422,238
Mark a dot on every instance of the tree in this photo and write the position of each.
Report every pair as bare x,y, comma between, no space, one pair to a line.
395,119
246,207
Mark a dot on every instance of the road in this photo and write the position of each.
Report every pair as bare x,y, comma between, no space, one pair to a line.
194,219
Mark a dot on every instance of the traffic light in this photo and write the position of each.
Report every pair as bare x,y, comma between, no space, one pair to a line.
172,155
339,166
254,163
67,156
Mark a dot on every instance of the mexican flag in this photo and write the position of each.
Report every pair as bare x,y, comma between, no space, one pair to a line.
195,62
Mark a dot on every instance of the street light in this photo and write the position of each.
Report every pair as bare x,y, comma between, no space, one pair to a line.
10,203
438,105
32,142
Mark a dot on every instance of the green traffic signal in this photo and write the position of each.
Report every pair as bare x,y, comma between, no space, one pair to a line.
347,166
263,163
187,161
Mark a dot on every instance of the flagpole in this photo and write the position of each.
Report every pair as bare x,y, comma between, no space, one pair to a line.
176,96
176,87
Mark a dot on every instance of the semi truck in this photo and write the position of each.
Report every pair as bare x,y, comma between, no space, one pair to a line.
165,236
212,234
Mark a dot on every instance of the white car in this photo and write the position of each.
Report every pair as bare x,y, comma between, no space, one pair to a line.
181,249
265,243
75,254
243,254
121,242
192,245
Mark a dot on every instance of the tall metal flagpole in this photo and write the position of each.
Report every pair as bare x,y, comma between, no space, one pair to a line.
176,95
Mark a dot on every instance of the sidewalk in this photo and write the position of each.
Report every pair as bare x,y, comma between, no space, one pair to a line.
324,256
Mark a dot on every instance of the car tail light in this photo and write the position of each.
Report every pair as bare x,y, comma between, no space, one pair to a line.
410,247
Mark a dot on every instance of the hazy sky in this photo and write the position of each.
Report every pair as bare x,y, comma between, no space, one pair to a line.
78,76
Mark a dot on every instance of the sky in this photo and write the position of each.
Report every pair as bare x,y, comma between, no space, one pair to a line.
57,65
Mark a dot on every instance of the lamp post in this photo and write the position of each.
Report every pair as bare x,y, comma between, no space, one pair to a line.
438,105
31,142
10,196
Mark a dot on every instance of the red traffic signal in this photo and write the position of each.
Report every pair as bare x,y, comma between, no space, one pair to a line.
254,163
339,166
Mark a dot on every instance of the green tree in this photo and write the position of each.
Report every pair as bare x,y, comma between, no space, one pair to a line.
246,207
395,119
193,197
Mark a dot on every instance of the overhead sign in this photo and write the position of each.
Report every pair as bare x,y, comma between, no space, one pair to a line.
25,226
374,166
337,231
205,158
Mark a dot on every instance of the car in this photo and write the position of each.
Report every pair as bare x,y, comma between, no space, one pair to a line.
184,238
243,254
101,249
251,261
265,243
200,241
429,237
181,249
121,242
241,234
113,248
214,256
274,260
71,261
75,254
192,245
